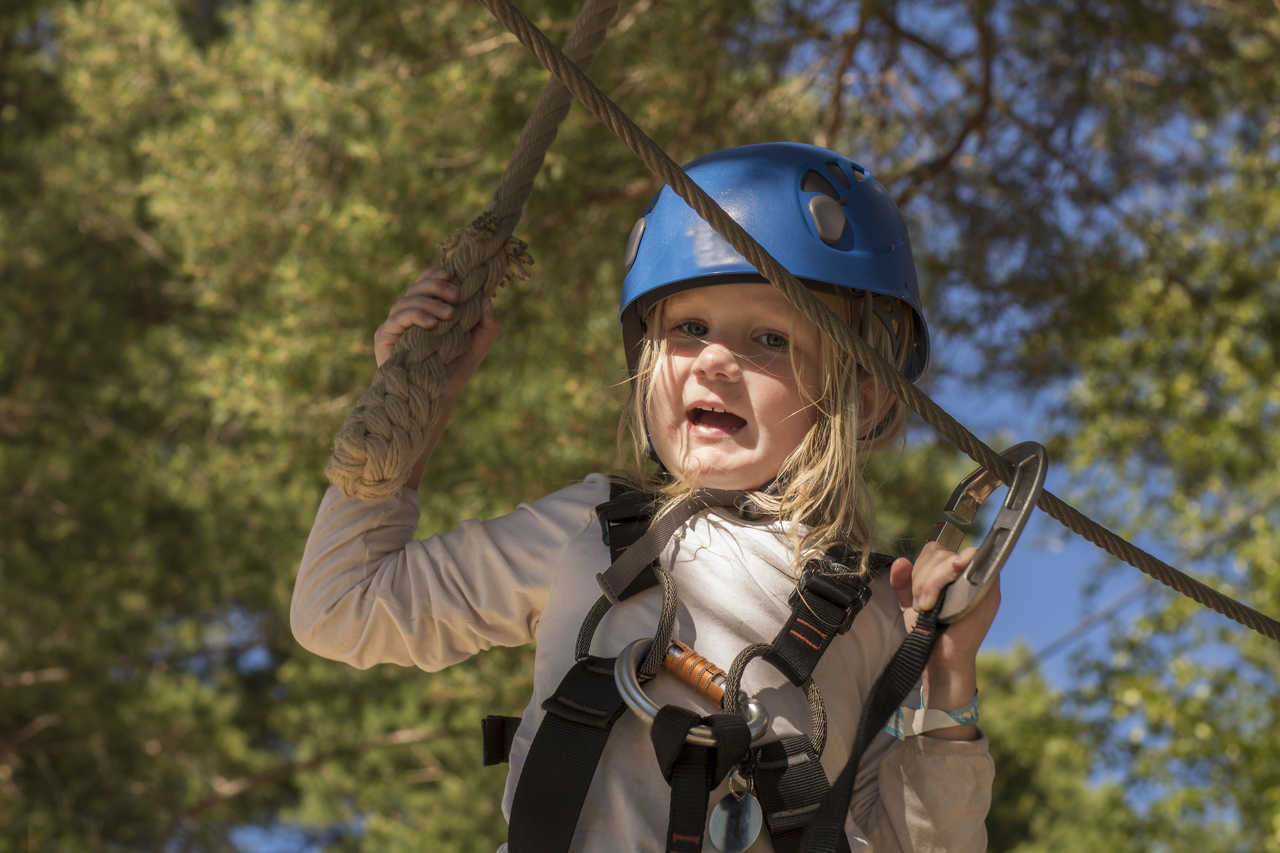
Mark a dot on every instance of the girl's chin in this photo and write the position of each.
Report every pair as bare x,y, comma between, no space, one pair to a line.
719,474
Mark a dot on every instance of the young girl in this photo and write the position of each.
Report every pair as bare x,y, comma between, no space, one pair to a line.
732,389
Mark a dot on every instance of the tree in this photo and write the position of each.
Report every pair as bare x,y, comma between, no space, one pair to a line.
207,206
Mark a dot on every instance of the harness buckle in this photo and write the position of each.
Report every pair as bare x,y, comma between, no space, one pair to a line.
847,597
964,593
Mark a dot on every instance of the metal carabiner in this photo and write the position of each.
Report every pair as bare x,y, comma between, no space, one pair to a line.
624,676
964,593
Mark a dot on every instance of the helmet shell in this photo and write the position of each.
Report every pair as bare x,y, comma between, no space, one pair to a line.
821,215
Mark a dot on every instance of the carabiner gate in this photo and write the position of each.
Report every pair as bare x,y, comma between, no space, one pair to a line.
964,593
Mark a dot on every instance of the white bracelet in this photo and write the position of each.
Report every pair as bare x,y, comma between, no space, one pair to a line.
907,722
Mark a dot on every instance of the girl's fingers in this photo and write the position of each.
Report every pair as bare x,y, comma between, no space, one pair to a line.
416,310
435,283
426,303
436,288
900,580
934,569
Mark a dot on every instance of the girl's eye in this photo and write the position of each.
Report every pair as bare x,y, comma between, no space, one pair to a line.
693,328
772,340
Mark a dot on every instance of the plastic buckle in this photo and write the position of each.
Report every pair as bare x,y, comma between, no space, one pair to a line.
587,695
965,592
849,597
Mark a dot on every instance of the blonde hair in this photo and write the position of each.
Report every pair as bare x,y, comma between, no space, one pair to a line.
819,488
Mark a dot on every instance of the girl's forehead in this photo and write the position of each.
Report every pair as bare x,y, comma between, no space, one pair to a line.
735,296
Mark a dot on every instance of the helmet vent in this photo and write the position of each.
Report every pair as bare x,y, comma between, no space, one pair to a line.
834,168
816,183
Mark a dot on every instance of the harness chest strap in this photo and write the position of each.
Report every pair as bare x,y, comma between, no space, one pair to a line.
789,780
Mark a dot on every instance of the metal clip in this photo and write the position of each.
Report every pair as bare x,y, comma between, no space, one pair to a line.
624,675
964,593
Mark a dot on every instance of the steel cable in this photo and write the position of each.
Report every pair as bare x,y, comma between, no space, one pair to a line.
662,166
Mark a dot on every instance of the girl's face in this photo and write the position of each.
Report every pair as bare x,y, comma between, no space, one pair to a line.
726,408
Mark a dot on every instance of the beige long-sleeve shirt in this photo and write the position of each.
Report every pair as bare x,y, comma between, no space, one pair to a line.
368,593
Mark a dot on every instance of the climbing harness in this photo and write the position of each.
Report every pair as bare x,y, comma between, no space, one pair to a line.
781,784
778,784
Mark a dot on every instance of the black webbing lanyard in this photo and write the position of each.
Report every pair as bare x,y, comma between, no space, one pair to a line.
825,833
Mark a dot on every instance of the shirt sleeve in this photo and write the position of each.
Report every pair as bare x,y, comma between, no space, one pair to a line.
368,593
927,795
919,794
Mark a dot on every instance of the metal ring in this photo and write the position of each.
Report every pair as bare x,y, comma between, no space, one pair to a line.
624,674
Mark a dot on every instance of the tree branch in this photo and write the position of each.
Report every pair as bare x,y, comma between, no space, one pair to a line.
848,48
919,175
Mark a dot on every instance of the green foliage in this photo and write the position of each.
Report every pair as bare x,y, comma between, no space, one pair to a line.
206,207
1043,759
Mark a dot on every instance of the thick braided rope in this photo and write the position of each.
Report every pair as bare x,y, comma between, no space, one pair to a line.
652,155
387,431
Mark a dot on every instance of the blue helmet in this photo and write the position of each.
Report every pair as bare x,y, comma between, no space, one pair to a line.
819,213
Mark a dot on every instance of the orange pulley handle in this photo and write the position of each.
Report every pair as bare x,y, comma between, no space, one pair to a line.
695,670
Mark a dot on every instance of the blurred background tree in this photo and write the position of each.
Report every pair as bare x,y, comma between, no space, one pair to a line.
206,206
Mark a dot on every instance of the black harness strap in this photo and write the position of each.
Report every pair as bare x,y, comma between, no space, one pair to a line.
826,832
496,734
789,780
790,784
693,770
624,520
619,580
823,606
566,749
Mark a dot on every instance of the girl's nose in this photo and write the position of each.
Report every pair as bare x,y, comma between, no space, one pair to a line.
717,361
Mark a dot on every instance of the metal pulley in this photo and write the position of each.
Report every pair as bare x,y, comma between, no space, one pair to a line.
965,592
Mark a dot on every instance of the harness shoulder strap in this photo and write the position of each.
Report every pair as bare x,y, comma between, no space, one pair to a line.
789,780
830,594
496,734
562,758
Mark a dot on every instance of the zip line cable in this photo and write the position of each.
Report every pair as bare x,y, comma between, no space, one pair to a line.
667,170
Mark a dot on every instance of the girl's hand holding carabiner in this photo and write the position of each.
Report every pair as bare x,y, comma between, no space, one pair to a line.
951,677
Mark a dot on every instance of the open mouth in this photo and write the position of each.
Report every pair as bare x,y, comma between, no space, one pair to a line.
715,419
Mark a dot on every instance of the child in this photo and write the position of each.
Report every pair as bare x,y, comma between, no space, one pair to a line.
732,389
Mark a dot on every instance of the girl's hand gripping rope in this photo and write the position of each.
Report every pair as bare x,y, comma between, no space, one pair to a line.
425,303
